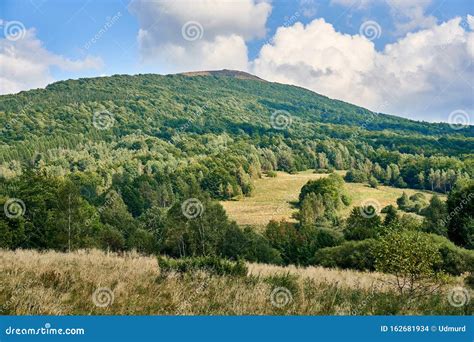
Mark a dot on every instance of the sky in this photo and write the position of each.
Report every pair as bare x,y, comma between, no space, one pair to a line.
411,58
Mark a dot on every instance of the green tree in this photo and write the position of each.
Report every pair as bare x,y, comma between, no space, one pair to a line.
412,258
435,217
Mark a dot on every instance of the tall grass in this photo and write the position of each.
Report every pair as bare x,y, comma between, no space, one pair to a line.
94,282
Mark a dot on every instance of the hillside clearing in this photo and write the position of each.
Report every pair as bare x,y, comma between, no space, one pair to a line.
273,197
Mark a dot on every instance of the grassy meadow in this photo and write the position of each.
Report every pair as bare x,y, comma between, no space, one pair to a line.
273,197
95,282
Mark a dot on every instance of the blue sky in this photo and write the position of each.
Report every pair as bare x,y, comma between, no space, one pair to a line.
416,62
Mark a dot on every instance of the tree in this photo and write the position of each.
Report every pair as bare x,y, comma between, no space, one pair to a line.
360,227
461,216
373,182
413,259
312,210
435,217
391,215
403,202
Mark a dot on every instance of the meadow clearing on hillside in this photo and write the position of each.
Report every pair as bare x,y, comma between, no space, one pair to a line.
273,197
95,282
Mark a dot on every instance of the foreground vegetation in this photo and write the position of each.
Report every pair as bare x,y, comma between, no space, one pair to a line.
94,282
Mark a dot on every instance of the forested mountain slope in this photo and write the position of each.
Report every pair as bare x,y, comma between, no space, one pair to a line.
224,101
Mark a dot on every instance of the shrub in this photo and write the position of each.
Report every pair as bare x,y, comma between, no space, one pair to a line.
249,245
454,260
212,264
351,254
287,281
414,260
469,281
271,174
360,226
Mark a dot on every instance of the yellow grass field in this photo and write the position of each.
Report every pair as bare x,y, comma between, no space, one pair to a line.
98,283
273,196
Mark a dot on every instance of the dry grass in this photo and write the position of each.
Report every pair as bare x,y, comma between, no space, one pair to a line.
273,196
52,283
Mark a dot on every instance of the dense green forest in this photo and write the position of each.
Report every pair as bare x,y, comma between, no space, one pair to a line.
140,162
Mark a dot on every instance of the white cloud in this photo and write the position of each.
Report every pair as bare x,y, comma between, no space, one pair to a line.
408,15
222,29
25,63
424,75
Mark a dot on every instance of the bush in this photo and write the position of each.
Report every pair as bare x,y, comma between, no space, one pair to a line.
271,174
213,265
454,260
469,281
287,281
249,245
351,254
414,260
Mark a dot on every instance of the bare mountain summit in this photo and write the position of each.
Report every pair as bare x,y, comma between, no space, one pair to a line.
224,73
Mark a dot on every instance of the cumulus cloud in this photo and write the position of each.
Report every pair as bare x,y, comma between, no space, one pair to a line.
25,63
408,15
424,75
202,34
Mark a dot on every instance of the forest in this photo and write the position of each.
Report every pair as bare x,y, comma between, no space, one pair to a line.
141,162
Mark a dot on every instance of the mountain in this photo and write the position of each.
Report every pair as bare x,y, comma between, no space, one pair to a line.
225,101
224,73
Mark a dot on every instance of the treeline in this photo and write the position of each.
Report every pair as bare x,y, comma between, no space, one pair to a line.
410,171
69,213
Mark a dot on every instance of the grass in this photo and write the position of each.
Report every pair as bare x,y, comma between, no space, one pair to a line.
273,197
94,282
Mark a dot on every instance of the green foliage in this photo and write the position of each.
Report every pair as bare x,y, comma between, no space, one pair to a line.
461,216
413,204
356,255
411,257
360,226
297,245
435,217
213,265
454,260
